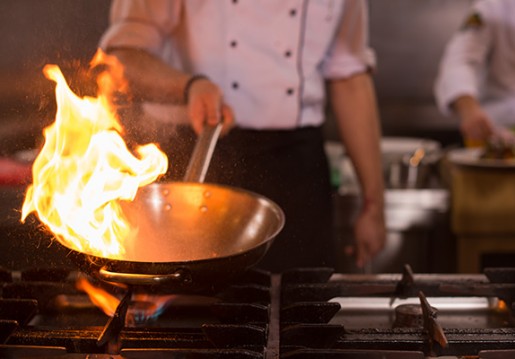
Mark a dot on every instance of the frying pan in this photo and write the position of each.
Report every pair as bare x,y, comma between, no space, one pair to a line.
191,236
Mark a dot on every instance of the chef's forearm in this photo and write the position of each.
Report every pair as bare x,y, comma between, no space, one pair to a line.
355,108
149,78
464,105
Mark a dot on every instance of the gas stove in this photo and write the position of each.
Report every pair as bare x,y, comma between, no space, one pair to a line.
302,313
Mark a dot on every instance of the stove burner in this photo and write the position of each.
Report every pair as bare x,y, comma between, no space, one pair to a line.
409,316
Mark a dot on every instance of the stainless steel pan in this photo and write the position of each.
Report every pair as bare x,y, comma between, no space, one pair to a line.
191,236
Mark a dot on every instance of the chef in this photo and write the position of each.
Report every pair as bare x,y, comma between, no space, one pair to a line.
476,79
262,68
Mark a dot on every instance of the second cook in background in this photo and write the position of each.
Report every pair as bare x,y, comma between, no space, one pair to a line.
264,68
476,80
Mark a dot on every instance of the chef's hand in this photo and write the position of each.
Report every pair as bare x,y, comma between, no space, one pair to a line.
476,128
369,234
206,106
505,136
475,125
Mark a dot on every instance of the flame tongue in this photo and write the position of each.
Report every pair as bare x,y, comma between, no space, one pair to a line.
99,297
82,172
143,307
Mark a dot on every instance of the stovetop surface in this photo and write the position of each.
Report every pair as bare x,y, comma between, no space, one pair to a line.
305,313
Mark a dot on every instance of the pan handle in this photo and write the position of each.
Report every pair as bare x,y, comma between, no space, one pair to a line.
202,153
179,276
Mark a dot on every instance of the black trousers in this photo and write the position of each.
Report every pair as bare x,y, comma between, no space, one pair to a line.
290,168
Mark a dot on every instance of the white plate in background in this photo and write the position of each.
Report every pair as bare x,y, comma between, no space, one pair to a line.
472,157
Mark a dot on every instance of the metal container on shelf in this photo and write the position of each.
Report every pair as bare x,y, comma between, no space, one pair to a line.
408,163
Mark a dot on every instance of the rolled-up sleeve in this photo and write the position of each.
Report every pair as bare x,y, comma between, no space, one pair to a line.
350,52
463,64
142,24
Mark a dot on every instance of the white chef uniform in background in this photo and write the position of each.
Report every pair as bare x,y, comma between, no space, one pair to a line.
479,61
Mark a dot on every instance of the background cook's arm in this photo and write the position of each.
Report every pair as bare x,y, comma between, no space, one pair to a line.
354,106
475,124
458,81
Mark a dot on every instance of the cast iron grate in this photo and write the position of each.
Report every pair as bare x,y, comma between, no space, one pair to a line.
235,326
289,315
317,287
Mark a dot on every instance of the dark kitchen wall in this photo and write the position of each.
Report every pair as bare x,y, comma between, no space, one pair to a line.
35,33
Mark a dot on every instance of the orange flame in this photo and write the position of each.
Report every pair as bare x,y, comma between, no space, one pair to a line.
85,168
99,297
502,306
150,305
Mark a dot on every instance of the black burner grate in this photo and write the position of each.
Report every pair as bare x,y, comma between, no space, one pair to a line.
265,315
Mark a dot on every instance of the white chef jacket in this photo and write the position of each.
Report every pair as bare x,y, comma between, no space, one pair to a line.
480,61
270,57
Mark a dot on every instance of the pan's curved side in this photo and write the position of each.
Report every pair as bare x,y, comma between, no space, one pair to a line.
217,253
178,222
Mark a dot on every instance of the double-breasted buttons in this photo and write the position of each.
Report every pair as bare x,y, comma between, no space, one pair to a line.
288,53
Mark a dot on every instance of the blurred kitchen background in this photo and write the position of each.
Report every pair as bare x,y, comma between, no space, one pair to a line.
408,37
